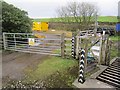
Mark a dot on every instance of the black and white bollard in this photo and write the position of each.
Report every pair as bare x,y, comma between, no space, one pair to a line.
81,78
73,47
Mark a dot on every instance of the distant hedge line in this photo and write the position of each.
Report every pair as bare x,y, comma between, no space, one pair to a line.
73,26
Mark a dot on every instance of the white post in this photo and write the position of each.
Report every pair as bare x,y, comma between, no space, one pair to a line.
27,40
103,33
15,41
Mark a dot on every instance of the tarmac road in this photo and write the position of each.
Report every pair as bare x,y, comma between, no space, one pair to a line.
14,64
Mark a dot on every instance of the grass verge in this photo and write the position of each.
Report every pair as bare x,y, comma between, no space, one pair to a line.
114,52
115,38
51,68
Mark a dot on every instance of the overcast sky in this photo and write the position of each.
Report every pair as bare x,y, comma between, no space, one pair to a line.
47,8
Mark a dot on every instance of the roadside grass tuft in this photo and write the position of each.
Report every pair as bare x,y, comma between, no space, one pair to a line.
115,38
49,67
114,52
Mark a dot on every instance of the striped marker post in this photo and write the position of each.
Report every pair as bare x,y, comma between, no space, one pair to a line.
81,78
73,47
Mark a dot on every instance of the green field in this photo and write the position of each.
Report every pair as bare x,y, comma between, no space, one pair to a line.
100,19
107,19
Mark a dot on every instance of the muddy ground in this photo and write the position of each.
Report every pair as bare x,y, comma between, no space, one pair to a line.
15,63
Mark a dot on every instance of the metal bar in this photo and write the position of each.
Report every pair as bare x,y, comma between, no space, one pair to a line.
20,33
11,41
16,44
35,33
49,46
41,43
52,43
94,44
44,39
27,49
52,39
23,49
36,47
17,37
37,41
47,34
36,52
68,39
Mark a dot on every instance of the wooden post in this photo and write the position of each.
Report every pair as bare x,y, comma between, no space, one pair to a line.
105,52
4,41
63,45
102,49
77,47
86,51
95,30
107,57
100,53
108,54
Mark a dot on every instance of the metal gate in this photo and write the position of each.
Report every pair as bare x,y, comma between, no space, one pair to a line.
41,43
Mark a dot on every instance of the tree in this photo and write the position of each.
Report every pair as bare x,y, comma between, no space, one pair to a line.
14,20
81,13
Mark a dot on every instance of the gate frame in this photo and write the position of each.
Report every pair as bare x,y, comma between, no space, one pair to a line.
61,36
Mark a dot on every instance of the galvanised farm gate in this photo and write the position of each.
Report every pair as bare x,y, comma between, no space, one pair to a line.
48,44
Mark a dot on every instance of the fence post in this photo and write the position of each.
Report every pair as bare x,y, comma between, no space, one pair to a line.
4,41
14,41
107,57
63,45
100,53
86,51
27,40
81,77
102,49
77,47
108,54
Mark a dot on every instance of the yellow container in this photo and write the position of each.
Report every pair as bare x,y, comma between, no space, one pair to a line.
40,26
